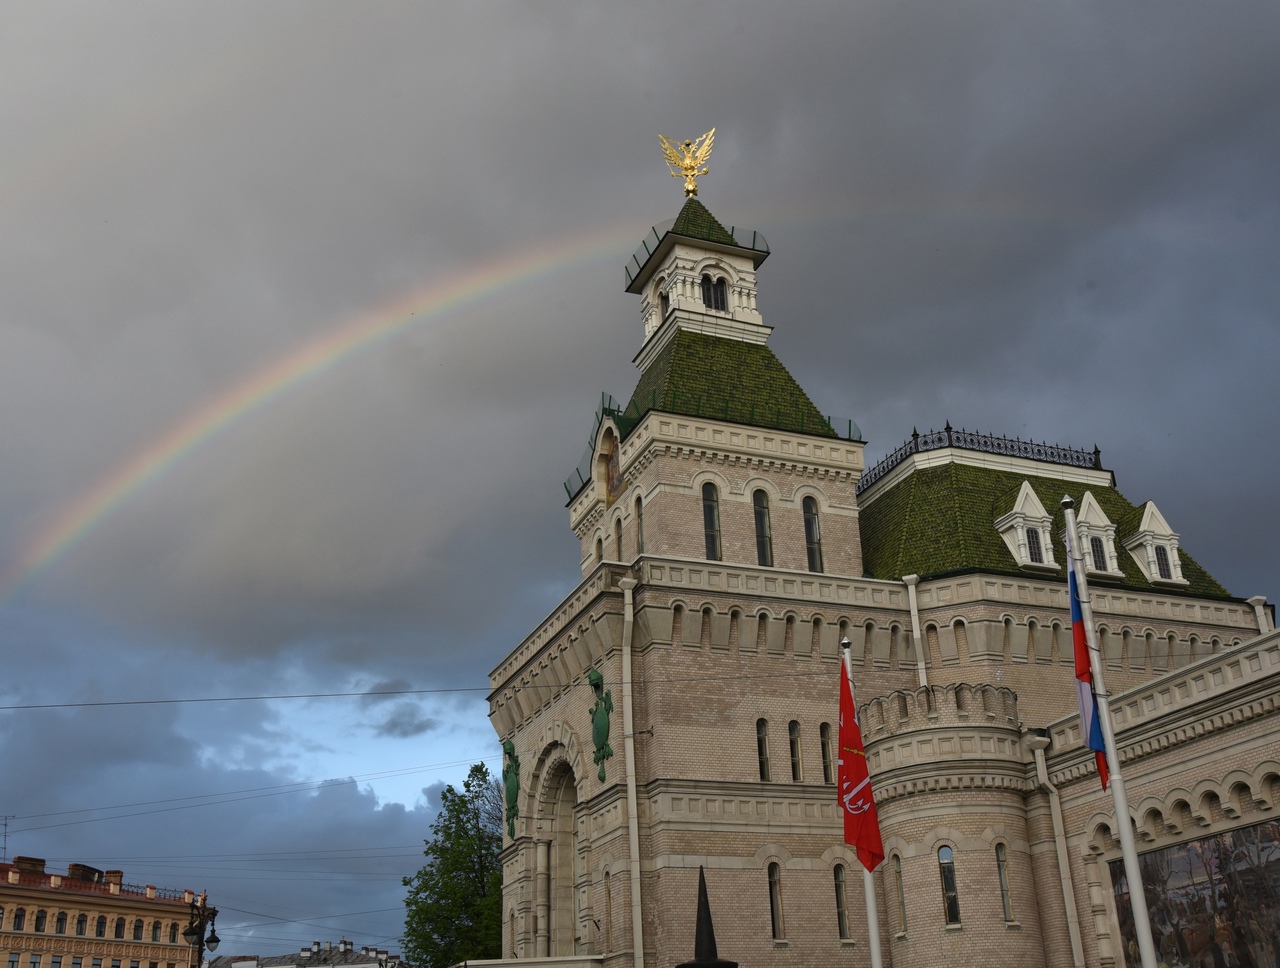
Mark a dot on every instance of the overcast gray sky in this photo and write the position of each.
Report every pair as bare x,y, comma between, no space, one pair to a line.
1053,220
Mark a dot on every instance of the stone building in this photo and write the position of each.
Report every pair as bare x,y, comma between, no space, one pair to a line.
88,918
678,709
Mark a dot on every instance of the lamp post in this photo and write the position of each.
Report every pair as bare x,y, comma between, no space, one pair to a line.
202,916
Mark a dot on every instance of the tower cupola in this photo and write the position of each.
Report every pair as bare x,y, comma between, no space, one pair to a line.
695,274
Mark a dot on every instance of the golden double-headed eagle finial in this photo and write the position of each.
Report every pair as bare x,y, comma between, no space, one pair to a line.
689,159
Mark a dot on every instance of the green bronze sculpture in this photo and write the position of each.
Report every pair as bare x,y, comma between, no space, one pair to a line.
511,785
600,718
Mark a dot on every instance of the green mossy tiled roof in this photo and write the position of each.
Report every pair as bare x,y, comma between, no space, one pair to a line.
696,222
697,375
940,520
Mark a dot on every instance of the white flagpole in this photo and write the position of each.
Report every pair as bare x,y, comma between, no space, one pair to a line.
868,879
1128,847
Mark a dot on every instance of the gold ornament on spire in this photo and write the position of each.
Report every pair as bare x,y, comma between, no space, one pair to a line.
689,160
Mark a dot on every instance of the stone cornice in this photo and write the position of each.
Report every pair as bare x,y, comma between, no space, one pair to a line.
599,583
718,440
693,574
1213,694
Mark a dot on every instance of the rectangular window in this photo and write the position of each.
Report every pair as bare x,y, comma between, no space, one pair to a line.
828,761
35,962
56,961
76,962
97,963
13,959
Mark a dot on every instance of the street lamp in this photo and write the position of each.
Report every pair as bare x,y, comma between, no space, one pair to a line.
202,916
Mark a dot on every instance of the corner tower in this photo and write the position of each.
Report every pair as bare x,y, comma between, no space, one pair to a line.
721,453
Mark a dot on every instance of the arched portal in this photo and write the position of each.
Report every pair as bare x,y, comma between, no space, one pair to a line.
566,866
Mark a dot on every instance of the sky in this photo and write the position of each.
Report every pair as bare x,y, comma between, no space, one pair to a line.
306,308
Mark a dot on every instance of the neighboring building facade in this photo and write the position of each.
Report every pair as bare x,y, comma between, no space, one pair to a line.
344,953
88,918
679,708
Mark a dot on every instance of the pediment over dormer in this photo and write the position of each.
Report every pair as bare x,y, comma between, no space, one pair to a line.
1026,531
1154,547
1097,539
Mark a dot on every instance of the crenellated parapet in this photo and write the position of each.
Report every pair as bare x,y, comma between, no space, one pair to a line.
931,707
958,736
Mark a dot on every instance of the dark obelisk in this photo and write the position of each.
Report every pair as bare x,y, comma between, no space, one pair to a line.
704,940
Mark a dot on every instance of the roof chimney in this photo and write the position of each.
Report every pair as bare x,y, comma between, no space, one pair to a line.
115,877
305,954
29,865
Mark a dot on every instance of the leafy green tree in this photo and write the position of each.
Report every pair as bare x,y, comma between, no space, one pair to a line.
454,905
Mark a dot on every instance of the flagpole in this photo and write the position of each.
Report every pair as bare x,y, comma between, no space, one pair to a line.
1128,847
868,879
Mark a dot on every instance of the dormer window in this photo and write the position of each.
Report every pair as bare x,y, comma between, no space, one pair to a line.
1026,532
1097,539
715,294
1098,554
1154,547
1034,553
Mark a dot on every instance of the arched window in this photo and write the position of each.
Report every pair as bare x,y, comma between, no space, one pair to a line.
711,520
20,919
1099,553
1002,869
775,902
100,927
119,928
1034,551
1162,563
137,929
60,923
599,550
762,747
901,892
812,534
155,931
950,897
828,759
842,910
764,534
639,526
793,734
82,925
715,294
617,540
173,933
42,919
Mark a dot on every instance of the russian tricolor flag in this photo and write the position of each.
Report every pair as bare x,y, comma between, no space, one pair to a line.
1090,725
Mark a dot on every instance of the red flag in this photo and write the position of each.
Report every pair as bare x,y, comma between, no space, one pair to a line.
861,824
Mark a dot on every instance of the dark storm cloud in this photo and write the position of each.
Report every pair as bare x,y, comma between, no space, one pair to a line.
405,720
1057,222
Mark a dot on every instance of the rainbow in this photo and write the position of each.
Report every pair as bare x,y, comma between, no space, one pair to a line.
272,382
346,339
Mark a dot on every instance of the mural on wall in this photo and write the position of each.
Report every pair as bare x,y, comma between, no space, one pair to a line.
1215,902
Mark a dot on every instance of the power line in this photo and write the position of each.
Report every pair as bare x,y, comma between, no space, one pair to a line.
213,799
106,703
212,699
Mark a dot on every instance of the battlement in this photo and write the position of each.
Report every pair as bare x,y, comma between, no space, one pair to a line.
931,707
